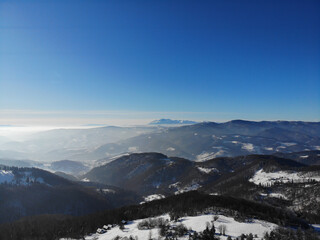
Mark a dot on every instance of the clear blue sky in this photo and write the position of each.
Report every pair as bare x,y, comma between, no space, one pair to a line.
222,59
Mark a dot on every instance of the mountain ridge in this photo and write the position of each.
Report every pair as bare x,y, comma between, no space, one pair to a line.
167,121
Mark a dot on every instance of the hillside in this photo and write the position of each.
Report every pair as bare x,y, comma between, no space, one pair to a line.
31,191
182,205
144,173
306,157
149,173
263,178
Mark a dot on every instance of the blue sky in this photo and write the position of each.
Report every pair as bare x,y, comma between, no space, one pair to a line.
202,60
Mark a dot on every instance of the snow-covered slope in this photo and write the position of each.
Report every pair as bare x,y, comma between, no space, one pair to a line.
6,176
262,177
196,223
152,198
24,178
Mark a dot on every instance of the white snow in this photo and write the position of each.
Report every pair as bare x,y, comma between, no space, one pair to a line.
204,156
6,176
316,227
85,180
278,195
268,148
274,195
280,147
214,194
207,170
262,177
152,198
25,178
234,228
174,185
304,156
106,190
171,149
248,146
131,229
193,186
196,223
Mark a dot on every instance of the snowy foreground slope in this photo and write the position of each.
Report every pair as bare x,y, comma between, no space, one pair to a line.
197,223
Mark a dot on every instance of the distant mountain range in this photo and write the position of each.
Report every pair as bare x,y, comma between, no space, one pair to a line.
59,144
197,142
164,121
207,140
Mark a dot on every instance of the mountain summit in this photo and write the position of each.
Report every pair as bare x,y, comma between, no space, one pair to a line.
164,121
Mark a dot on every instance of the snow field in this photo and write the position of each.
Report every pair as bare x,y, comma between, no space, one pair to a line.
262,177
196,223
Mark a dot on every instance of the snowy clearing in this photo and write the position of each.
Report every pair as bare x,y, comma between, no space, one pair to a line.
152,198
191,187
248,146
207,170
274,195
25,178
106,190
209,155
268,148
262,177
196,223
171,149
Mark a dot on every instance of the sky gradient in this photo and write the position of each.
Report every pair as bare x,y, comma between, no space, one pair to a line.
99,61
